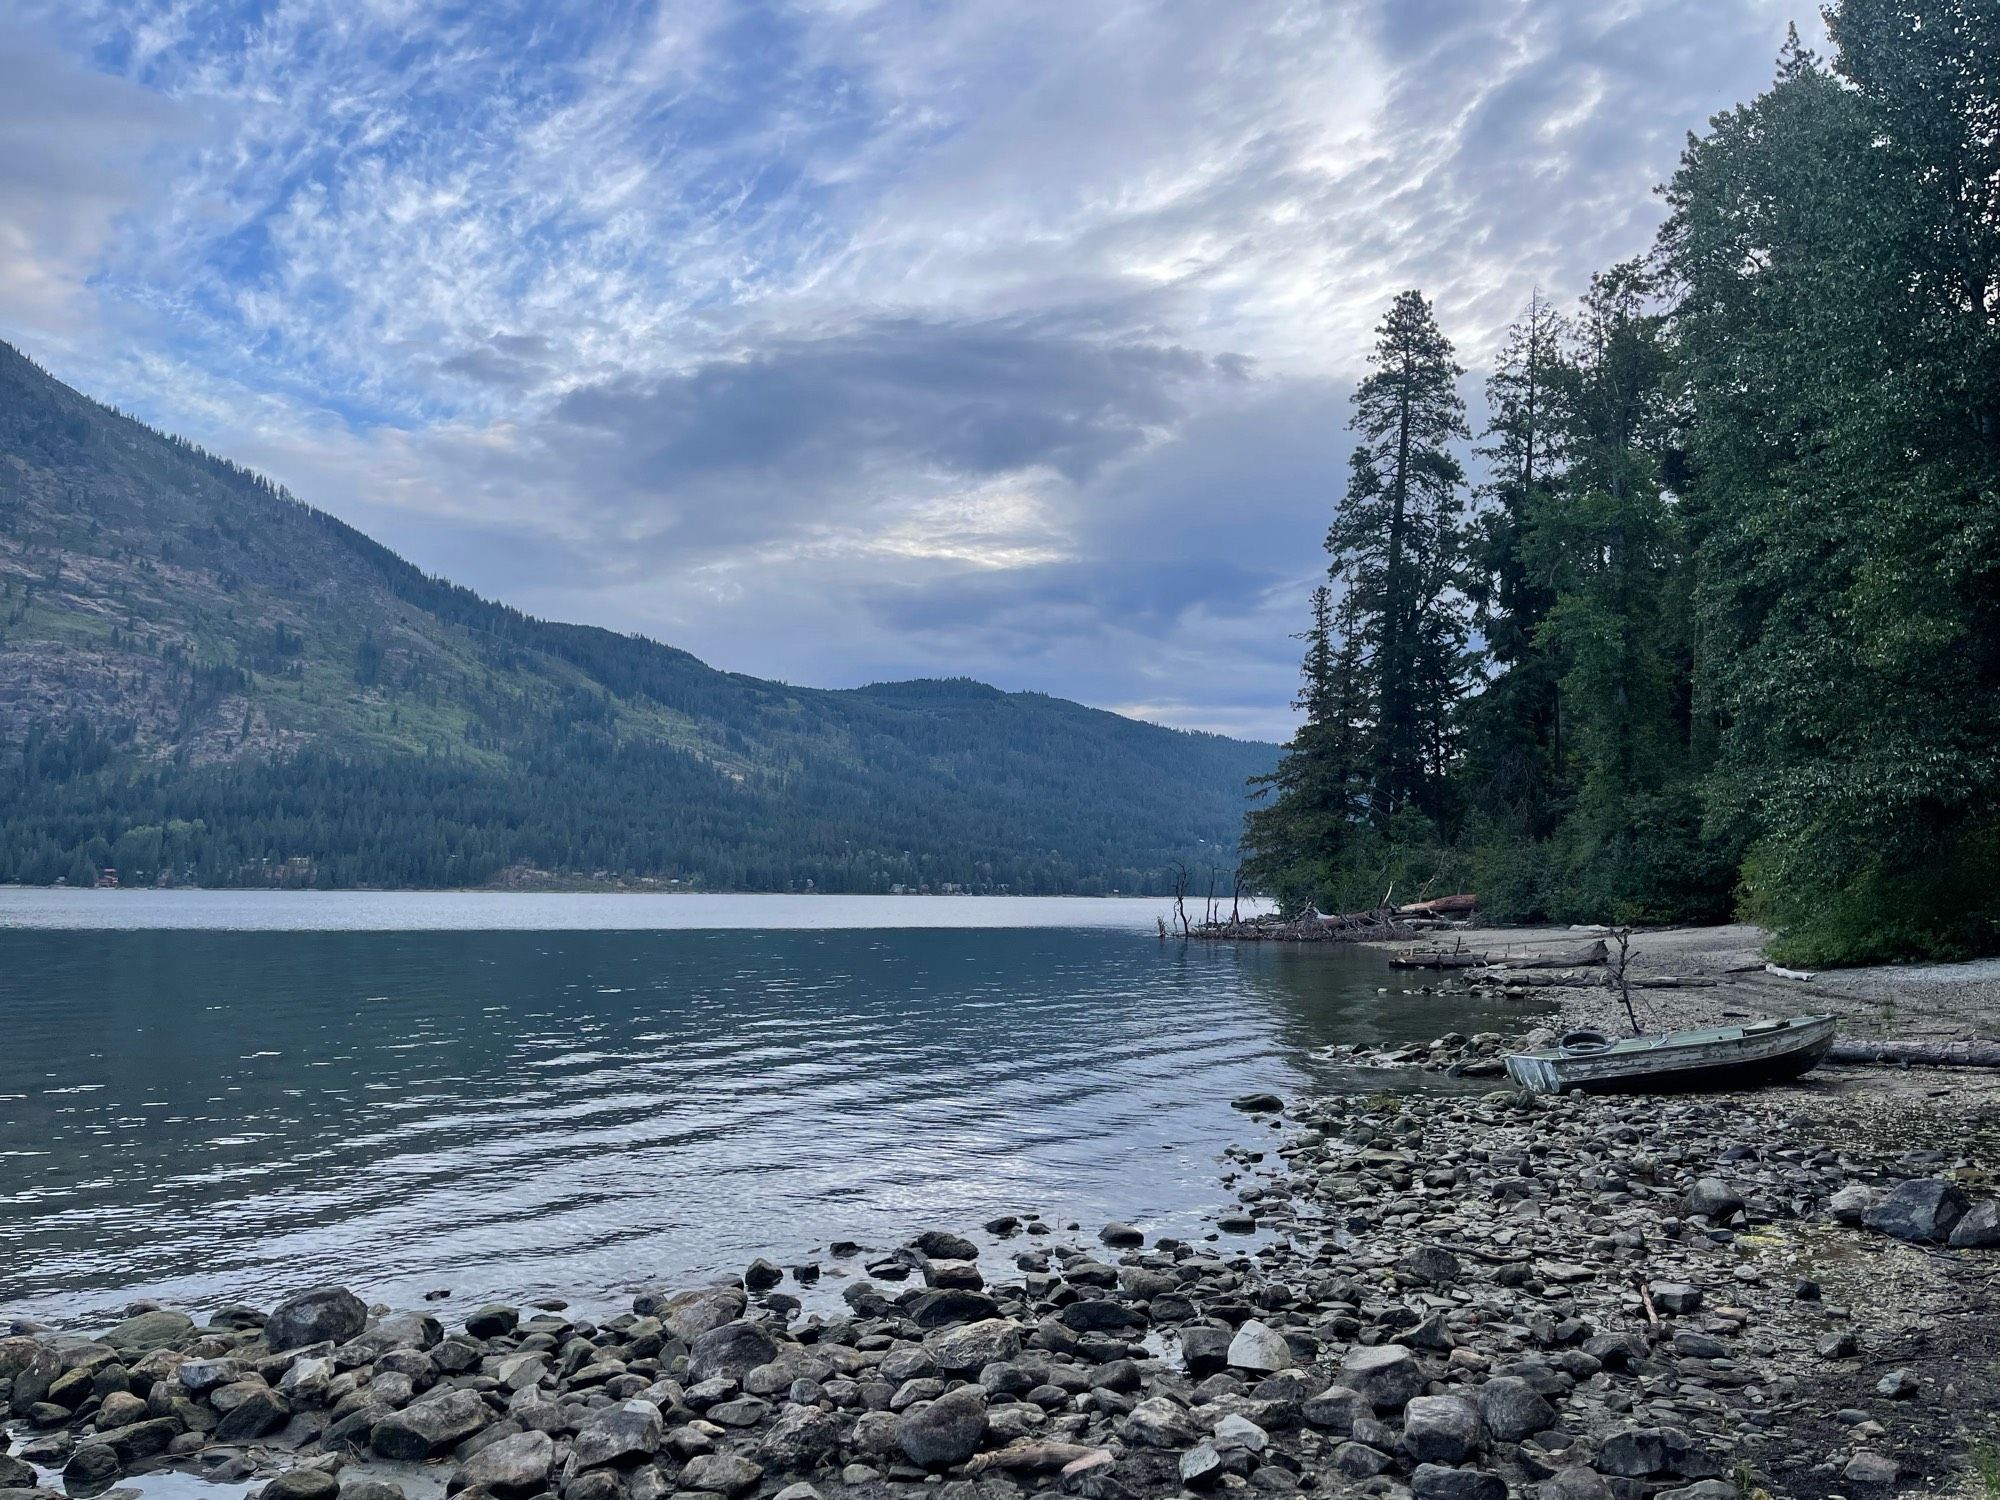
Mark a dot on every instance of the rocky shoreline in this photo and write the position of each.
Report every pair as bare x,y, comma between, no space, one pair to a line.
1461,1295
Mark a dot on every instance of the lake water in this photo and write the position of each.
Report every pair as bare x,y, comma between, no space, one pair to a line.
209,1096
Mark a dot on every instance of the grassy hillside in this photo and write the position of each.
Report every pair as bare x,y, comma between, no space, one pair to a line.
202,676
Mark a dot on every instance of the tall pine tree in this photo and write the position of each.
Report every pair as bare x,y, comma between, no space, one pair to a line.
1514,751
1397,539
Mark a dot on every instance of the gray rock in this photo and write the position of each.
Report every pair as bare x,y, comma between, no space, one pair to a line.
966,1350
721,1474
91,1466
158,1329
803,1437
1513,1409
428,1427
1436,1482
520,1372
1387,1374
1257,1346
1201,1465
368,1487
1238,1431
1871,1469
1102,1315
1257,1104
733,1349
947,1431
493,1321
1853,1201
1158,1422
692,1313
301,1484
799,1491
140,1440
942,1244
327,1314
1205,1348
1699,1345
1119,1234
762,1275
1335,1409
16,1474
1979,1229
743,1411
1429,1266
1634,1452
260,1410
517,1465
943,1306
1442,1429
1675,1298
307,1381
1898,1385
397,1331
1712,1198
203,1375
1923,1210
1577,1482
1359,1461
616,1434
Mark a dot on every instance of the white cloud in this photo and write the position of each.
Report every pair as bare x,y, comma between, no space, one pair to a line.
844,338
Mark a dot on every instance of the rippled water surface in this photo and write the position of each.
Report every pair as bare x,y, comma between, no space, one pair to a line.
206,1112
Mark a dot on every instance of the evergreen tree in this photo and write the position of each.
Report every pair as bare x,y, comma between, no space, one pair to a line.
1294,845
1513,747
1397,539
1838,254
1609,551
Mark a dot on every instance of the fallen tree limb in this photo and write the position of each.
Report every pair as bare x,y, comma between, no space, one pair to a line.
1965,1054
1439,906
1784,973
1579,958
1438,961
1585,979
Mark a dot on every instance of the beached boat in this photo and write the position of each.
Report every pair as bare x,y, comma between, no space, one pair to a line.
1713,1057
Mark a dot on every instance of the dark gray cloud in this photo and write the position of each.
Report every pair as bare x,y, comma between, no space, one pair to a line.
977,400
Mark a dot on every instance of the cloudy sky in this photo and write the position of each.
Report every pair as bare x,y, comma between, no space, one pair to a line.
832,340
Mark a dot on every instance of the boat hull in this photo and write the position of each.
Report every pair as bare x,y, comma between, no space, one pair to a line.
1718,1059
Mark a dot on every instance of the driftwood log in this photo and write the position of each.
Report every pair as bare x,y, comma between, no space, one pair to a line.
1577,958
1584,979
1308,927
1966,1054
1440,906
1441,960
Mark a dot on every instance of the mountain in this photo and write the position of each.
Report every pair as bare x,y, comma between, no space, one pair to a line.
205,680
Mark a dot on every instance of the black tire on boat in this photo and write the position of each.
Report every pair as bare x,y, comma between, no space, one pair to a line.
1584,1040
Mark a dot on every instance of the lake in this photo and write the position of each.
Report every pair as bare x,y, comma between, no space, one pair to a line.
212,1096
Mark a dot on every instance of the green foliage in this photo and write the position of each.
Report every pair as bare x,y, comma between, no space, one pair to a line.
1737,572
1838,250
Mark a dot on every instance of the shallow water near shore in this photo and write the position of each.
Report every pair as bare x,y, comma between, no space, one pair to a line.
209,1108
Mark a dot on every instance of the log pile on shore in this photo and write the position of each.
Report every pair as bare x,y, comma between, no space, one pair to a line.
1382,925
1459,1298
1379,924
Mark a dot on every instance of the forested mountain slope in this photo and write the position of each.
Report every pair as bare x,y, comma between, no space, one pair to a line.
202,677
